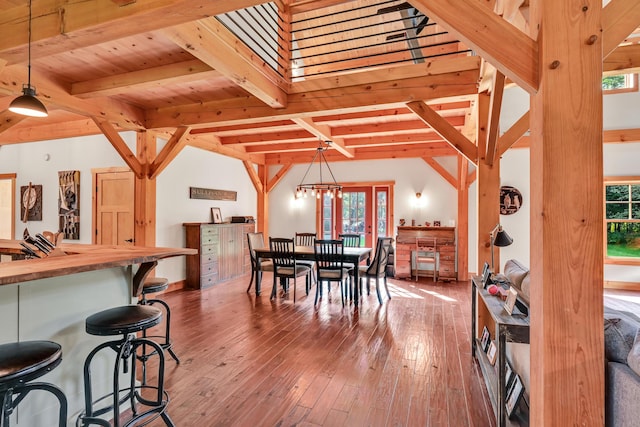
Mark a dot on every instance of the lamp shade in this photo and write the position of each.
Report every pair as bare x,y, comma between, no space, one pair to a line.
28,105
502,238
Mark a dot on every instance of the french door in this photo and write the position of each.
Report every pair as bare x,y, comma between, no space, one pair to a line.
362,209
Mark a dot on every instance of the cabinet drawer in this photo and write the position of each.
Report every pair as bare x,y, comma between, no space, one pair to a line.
210,239
209,268
403,256
208,280
208,258
446,258
209,250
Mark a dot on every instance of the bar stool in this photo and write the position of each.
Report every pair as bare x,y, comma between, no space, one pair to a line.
125,321
153,285
22,362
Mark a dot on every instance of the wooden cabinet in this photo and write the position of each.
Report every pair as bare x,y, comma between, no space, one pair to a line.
223,253
446,247
488,311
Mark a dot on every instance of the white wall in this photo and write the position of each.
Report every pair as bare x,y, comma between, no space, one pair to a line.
621,111
287,215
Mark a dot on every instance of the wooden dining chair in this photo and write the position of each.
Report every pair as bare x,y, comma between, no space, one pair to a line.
351,240
256,240
307,239
330,266
377,268
426,253
285,266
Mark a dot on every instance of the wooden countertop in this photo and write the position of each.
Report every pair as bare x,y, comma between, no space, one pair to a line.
81,258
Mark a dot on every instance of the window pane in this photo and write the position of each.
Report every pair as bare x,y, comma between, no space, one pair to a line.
635,193
381,200
635,211
617,192
327,216
617,210
623,239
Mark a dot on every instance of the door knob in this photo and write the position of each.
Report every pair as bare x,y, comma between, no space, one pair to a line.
129,240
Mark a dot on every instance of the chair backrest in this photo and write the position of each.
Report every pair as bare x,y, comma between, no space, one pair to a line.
305,239
329,259
283,252
351,240
255,240
380,259
426,244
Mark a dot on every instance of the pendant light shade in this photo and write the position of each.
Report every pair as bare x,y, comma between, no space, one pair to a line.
27,104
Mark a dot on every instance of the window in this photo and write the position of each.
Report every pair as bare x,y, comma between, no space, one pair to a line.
622,219
620,83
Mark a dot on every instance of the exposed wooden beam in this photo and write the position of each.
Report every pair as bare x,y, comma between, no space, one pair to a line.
323,132
212,144
445,130
169,152
278,176
253,176
60,28
365,97
268,138
514,133
463,219
9,120
215,45
479,27
182,72
121,147
442,171
494,116
615,136
619,19
301,6
391,128
623,59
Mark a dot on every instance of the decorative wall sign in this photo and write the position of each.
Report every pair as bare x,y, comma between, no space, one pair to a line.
211,194
31,203
69,204
510,200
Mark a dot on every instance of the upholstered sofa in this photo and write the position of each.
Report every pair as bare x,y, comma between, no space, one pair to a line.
622,354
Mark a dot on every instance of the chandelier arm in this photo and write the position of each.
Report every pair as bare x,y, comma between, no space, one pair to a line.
308,169
328,168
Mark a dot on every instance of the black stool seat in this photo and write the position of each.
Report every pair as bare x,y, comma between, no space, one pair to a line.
23,361
155,284
123,320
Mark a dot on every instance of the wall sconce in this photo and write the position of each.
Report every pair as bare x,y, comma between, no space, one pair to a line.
499,238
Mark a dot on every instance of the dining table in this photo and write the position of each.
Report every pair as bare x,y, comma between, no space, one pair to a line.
350,255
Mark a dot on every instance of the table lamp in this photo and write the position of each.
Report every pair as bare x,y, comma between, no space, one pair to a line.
499,238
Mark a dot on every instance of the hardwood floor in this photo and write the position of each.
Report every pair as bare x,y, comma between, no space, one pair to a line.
247,361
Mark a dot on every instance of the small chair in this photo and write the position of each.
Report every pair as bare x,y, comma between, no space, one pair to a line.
330,266
22,362
426,252
351,240
126,321
256,240
154,285
285,266
307,239
377,268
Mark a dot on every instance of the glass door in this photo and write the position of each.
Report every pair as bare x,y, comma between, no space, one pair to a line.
354,213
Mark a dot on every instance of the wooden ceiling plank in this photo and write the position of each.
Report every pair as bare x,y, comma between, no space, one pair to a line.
416,138
497,93
623,59
253,176
444,129
301,6
619,19
323,132
391,127
181,72
278,176
212,43
268,138
121,147
513,134
380,96
48,131
480,28
442,171
169,152
211,143
60,28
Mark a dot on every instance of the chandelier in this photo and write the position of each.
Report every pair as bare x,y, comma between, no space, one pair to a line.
332,188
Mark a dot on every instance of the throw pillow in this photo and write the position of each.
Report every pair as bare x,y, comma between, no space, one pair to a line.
619,335
633,360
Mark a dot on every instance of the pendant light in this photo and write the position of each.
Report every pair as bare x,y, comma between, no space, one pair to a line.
27,104
331,188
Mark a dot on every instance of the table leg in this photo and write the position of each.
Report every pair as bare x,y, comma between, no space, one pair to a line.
356,286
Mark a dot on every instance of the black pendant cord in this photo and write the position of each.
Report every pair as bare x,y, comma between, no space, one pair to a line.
29,51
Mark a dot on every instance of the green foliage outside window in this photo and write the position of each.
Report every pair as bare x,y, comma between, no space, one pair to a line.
622,212
615,82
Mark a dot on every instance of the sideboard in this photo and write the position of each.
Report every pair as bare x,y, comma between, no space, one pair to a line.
223,253
445,244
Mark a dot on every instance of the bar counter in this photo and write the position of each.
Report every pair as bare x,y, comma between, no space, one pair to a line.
50,298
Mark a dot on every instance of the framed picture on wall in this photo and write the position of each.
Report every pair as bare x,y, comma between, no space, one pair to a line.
216,216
